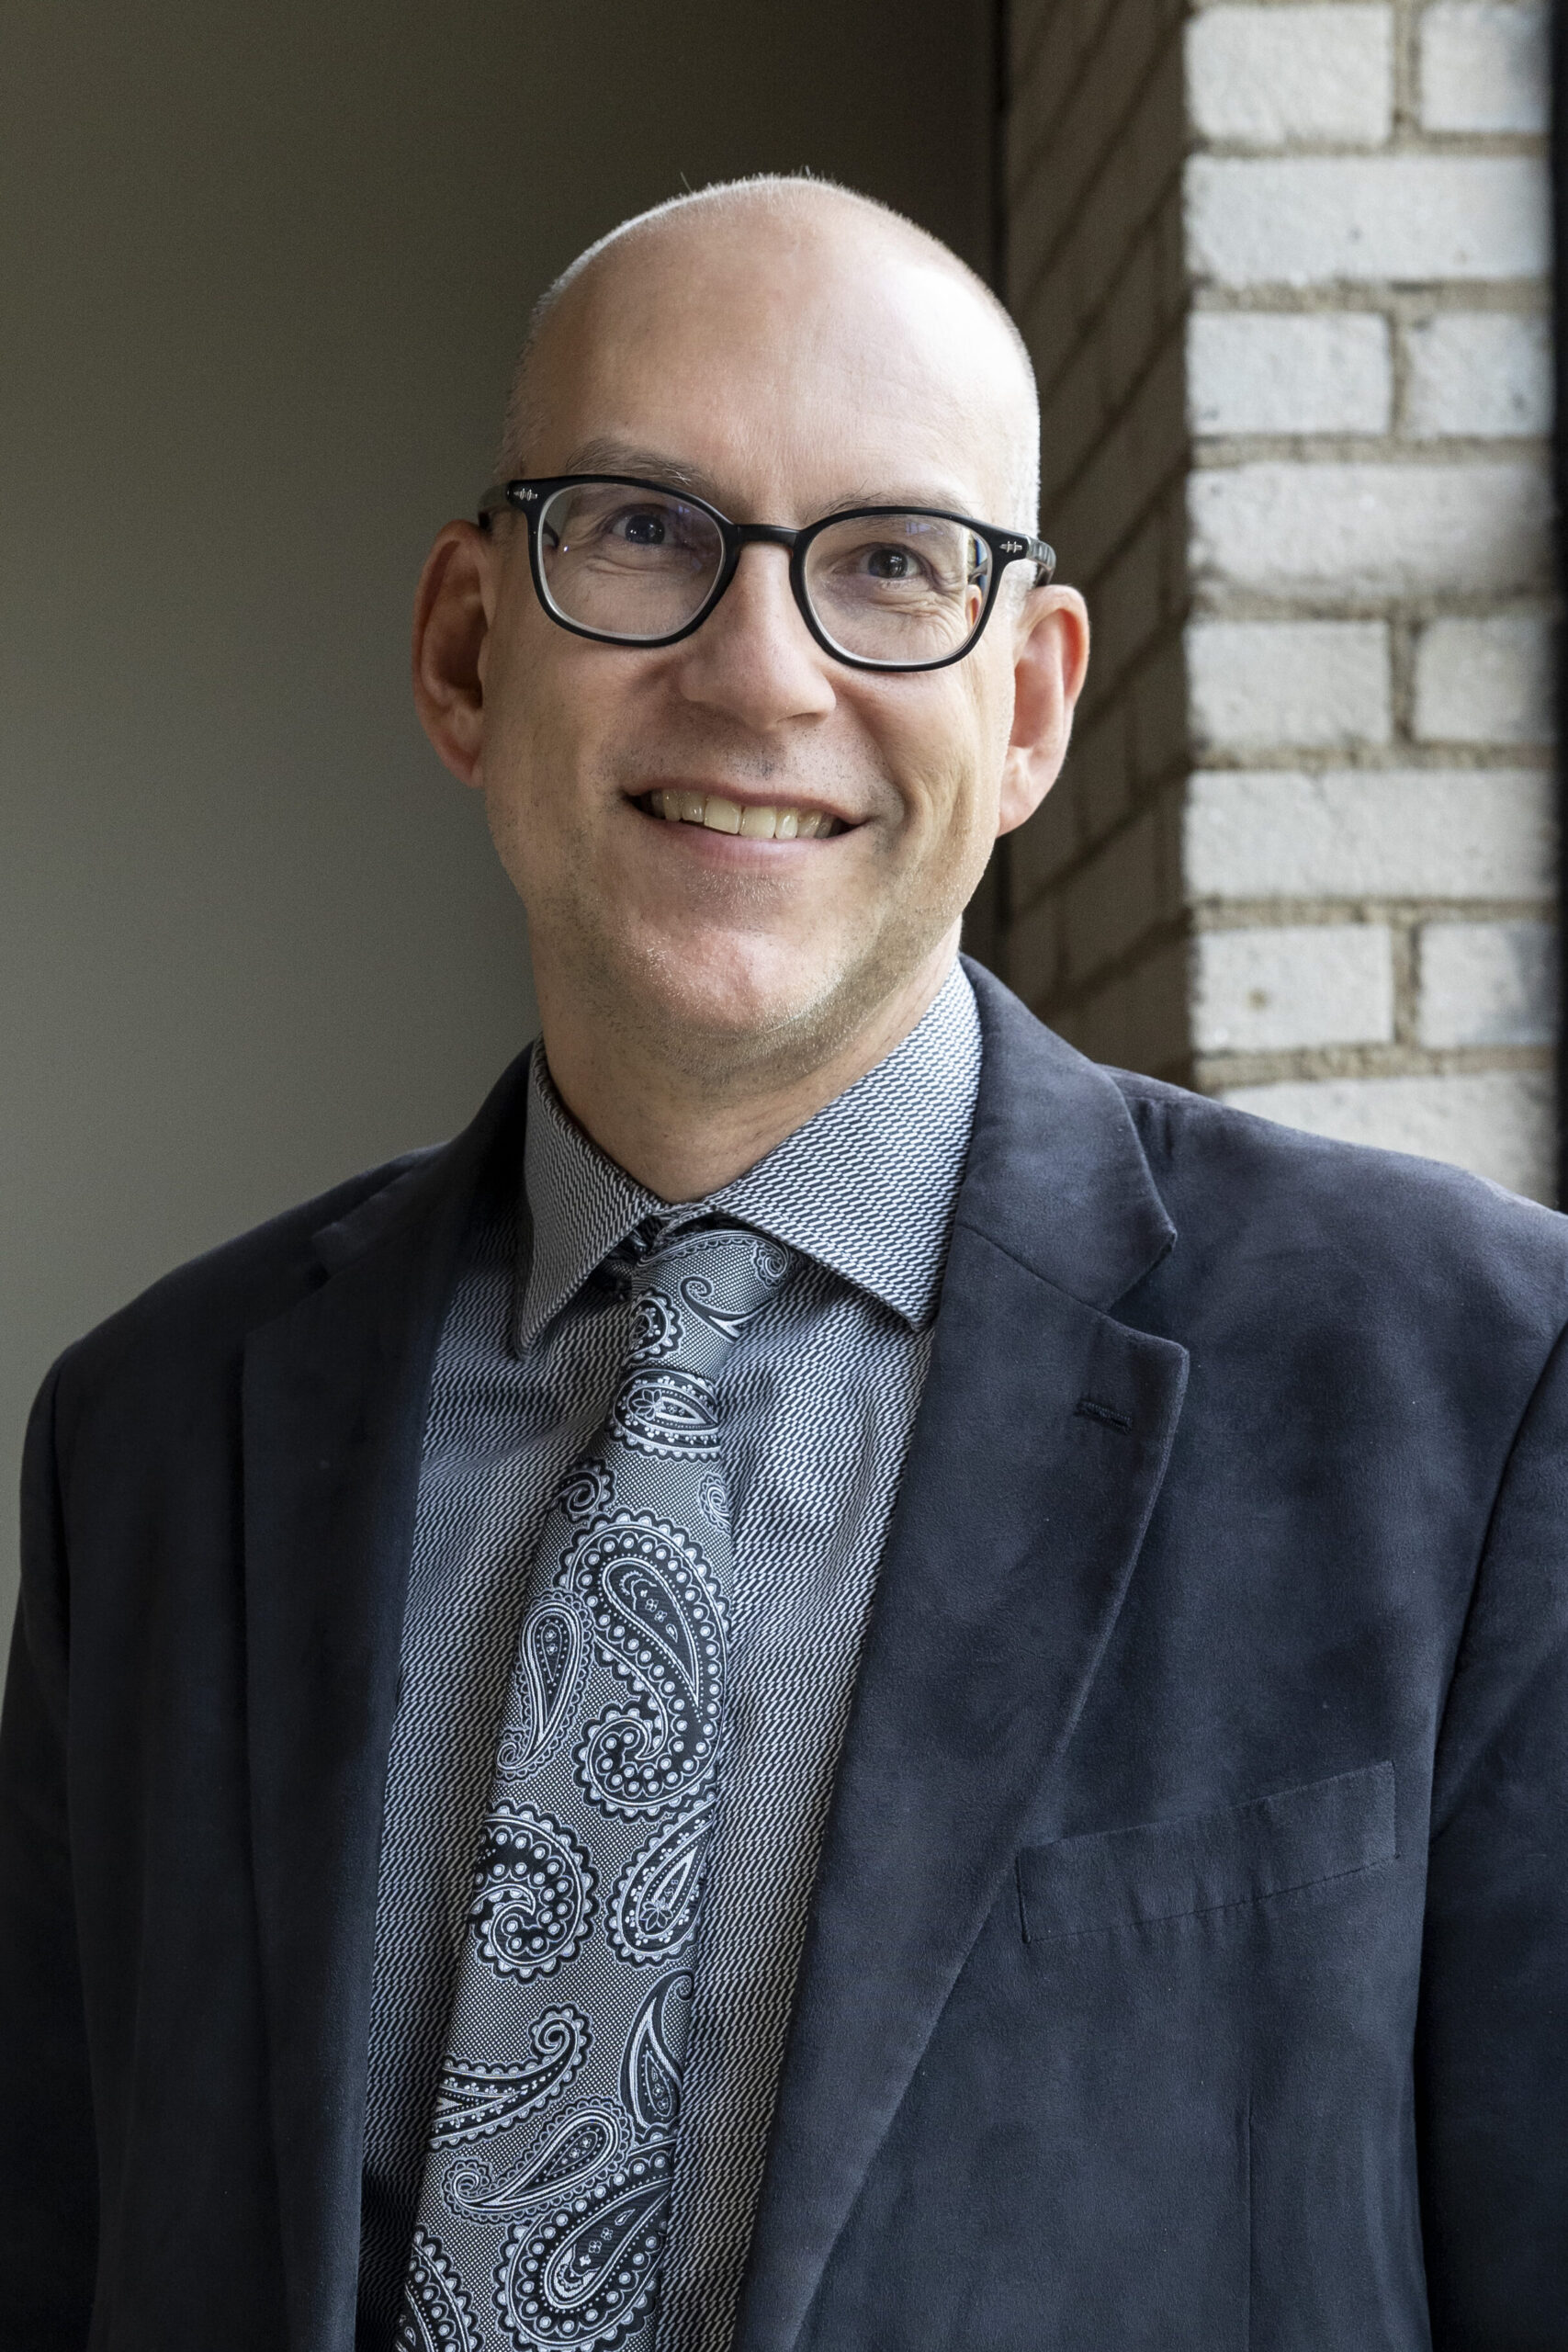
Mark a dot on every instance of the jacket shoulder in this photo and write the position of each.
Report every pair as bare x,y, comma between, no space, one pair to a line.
204,1306
1231,1178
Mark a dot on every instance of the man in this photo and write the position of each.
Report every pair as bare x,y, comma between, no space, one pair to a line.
842,1683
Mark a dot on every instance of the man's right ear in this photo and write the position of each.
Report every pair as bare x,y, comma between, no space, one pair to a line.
452,616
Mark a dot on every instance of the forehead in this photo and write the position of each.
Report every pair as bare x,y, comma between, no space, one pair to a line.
791,369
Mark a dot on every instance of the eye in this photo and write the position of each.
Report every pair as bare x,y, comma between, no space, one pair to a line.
890,563
644,529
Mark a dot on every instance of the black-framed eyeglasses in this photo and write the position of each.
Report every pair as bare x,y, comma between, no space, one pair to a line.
632,563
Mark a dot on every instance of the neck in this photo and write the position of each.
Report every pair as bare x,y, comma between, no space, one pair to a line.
682,1134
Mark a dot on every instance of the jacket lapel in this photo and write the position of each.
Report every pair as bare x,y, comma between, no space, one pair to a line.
1018,1524
333,1405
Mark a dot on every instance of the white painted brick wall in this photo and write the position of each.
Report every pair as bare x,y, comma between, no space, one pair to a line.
1368,529
1487,984
1355,923
1264,75
1482,373
1484,67
1274,372
1370,833
1498,1123
1304,984
1486,679
1323,683
1313,220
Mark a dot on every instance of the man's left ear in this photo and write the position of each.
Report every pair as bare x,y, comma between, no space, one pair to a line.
1051,655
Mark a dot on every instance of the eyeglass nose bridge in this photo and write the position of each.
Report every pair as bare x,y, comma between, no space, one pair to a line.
763,535
737,537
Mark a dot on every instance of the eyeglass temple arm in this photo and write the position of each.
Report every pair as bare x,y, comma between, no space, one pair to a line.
1043,558
499,498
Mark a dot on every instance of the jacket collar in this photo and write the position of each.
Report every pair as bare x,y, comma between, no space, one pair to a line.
332,1409
1018,1524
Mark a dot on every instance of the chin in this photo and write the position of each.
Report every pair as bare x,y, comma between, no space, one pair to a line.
728,1002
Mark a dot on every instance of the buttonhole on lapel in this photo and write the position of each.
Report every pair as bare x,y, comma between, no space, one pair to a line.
1023,1905
1093,1410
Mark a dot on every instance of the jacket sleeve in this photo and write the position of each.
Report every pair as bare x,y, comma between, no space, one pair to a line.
1492,2058
48,2165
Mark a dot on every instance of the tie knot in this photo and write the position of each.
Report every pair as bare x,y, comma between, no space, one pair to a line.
697,1291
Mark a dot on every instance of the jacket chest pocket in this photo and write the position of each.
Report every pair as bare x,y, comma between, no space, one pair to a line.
1211,1861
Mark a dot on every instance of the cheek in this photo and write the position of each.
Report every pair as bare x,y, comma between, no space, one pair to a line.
948,758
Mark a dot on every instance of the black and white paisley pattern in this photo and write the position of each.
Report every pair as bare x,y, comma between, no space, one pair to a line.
653,1911
438,2315
587,1491
604,1778
583,2274
657,1329
548,1675
567,2155
670,1414
650,2064
771,1259
534,1892
474,2101
658,1619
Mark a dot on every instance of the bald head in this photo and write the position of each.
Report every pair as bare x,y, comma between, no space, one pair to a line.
789,248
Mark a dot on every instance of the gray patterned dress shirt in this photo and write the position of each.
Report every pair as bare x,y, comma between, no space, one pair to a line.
818,1400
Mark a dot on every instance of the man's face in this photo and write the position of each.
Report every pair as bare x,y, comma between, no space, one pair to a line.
779,379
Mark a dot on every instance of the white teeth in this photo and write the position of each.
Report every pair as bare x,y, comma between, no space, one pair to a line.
722,815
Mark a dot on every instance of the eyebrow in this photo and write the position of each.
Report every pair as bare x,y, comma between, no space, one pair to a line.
606,455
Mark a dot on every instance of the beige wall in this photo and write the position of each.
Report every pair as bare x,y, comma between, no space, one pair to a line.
261,270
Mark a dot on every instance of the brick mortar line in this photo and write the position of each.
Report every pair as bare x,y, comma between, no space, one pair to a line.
1404,24
1214,913
1412,145
1216,602
1311,1065
1223,453
1403,633
1406,302
1372,760
1404,958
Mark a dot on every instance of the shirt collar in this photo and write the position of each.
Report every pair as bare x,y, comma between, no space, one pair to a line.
867,1187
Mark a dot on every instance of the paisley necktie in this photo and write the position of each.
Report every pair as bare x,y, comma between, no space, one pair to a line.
545,2200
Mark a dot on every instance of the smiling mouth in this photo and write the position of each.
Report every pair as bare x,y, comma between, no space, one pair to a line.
780,822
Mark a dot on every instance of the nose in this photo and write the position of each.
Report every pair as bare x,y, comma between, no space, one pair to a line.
753,658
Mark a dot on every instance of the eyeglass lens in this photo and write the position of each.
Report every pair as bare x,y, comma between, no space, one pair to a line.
641,564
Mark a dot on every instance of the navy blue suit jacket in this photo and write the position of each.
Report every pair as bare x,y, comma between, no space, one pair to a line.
1189,1960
